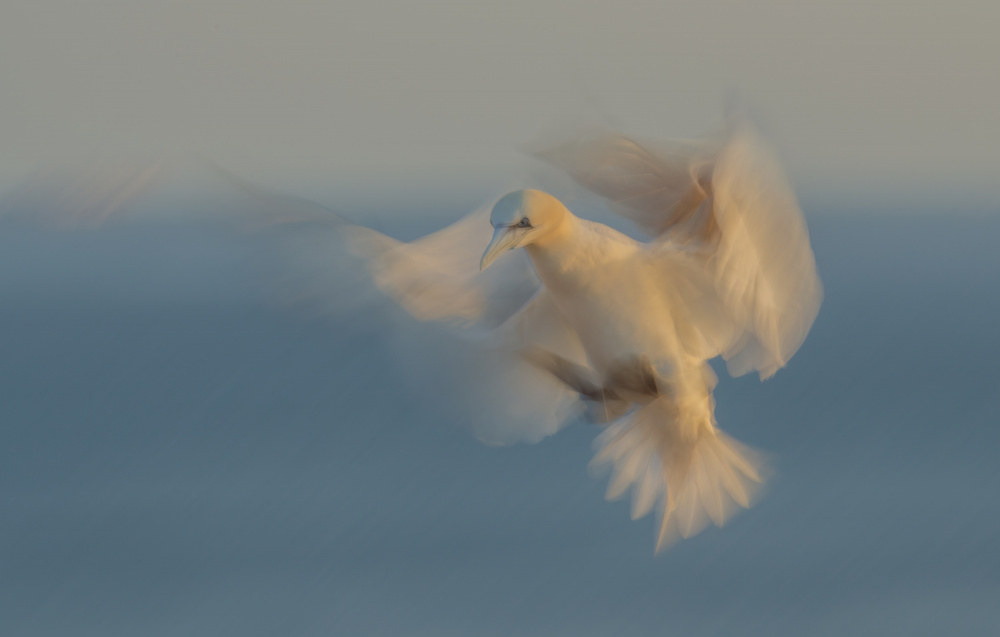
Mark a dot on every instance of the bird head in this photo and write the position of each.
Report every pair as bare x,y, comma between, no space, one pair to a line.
519,219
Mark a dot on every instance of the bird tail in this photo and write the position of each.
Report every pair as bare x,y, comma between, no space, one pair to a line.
691,472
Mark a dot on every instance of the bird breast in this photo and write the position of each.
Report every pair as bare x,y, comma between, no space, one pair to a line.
613,304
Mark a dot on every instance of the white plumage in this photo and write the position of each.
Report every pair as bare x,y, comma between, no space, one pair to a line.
627,326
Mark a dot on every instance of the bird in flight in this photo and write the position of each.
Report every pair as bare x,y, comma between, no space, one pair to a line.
577,319
627,327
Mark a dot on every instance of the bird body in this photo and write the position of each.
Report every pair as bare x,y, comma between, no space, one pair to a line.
626,326
613,296
602,283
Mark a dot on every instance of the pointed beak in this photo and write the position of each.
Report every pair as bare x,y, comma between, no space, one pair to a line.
503,239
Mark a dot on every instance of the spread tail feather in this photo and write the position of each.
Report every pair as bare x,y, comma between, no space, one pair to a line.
690,478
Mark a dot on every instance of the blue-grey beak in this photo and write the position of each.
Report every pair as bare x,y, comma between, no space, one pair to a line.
504,238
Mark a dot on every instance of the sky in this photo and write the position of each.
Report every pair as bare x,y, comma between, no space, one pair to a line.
366,101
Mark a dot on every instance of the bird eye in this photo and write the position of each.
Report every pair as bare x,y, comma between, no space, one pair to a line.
524,223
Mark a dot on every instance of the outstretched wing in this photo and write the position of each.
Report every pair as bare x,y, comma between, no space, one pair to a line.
493,319
463,351
463,354
437,277
725,202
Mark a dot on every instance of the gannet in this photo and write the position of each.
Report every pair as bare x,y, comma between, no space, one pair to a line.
574,318
628,327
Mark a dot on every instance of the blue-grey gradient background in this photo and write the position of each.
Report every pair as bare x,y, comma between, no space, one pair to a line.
180,456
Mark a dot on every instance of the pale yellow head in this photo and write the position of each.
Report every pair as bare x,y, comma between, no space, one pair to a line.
522,218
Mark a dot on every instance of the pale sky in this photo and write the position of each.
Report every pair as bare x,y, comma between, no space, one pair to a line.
893,100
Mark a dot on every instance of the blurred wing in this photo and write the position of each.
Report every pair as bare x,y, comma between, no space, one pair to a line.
728,206
482,379
528,402
659,189
437,277
434,278
763,263
70,196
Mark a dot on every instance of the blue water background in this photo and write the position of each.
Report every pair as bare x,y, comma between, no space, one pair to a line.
180,456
